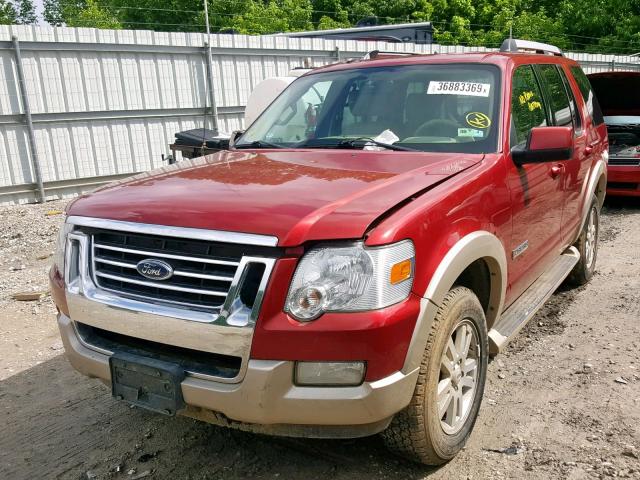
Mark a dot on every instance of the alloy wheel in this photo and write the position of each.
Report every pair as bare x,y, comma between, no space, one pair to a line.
591,238
458,377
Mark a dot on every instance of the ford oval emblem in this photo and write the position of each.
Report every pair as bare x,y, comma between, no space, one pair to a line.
154,269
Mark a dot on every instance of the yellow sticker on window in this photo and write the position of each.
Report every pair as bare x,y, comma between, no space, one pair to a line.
528,98
478,120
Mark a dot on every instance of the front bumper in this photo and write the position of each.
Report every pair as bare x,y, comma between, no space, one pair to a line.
267,401
623,180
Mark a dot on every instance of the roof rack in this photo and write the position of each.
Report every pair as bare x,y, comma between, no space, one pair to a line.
514,45
373,54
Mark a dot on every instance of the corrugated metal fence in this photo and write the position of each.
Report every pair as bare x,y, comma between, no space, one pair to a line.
106,103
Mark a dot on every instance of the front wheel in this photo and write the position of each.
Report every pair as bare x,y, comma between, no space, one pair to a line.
439,419
587,245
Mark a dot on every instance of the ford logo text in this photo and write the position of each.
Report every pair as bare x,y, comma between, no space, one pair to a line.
154,269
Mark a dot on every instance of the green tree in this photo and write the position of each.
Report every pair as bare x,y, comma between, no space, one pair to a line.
328,23
604,25
273,16
7,13
52,13
26,13
92,15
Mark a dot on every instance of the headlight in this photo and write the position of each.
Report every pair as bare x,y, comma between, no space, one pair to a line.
58,257
351,278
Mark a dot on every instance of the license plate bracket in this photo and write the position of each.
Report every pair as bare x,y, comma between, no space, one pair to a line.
147,383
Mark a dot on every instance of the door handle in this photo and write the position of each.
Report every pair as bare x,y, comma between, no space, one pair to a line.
556,170
589,148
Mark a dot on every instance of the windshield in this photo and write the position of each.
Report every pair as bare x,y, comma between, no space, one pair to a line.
432,108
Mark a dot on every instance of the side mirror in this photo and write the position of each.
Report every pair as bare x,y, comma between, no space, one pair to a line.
545,144
235,135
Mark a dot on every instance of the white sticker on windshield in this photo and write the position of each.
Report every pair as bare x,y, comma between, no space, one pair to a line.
459,88
470,132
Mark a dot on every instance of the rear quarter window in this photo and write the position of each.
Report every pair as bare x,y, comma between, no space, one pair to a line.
557,95
588,95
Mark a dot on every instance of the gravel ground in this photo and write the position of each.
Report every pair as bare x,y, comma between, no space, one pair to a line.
27,243
562,402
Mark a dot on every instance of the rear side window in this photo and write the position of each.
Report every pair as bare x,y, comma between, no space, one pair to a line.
557,95
575,114
593,107
527,107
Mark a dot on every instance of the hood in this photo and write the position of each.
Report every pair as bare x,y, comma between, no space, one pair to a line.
618,94
296,195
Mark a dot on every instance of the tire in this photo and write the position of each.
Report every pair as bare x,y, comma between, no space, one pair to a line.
587,245
418,432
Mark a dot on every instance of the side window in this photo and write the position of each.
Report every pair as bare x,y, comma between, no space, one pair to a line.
575,114
557,95
527,108
593,107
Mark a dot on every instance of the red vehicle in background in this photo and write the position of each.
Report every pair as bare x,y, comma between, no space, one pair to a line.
349,266
619,96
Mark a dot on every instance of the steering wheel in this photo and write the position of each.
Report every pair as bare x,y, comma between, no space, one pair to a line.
438,127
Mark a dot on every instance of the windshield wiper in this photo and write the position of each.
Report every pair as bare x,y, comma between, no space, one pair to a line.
330,142
352,143
259,144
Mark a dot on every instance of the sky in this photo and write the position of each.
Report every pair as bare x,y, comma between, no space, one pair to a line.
39,7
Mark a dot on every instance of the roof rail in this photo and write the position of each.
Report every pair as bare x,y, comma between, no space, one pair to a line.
514,45
373,54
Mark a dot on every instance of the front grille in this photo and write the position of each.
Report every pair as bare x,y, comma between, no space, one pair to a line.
622,185
621,161
203,271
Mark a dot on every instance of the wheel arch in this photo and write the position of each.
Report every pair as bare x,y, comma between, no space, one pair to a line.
597,186
477,253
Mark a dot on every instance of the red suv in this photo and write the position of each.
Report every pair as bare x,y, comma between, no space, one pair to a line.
619,96
350,265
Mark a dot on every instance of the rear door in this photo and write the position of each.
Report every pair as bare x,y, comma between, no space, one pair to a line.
537,194
564,111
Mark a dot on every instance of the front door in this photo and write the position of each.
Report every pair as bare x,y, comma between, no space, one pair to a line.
564,112
537,193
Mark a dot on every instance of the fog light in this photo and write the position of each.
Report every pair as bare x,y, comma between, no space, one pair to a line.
329,373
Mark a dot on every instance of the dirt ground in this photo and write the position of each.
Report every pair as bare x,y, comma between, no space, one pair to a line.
563,402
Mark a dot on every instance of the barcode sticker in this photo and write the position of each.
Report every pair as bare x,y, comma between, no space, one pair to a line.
470,132
459,88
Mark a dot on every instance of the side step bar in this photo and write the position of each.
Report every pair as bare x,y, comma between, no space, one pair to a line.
525,307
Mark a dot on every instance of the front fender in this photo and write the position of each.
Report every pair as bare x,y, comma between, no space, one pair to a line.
473,246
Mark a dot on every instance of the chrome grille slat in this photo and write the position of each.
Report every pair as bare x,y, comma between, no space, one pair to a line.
114,263
161,285
167,255
624,162
173,302
175,272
